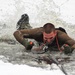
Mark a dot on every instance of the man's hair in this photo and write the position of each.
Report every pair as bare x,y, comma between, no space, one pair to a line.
49,24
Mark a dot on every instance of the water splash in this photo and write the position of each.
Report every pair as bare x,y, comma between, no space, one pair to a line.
39,11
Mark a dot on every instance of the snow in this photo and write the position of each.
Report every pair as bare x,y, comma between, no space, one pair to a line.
10,69
39,11
67,11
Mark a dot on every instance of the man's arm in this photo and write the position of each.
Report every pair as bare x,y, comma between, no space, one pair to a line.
66,39
20,33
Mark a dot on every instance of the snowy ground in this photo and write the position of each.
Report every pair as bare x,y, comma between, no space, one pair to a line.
10,69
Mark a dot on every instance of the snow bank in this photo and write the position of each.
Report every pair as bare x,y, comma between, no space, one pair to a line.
10,69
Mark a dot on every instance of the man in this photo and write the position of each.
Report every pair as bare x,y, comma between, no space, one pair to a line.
46,35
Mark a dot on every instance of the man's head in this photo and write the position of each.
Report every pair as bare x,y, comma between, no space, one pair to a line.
49,33
48,28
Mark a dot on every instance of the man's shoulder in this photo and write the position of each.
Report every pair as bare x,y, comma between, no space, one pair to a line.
59,32
61,29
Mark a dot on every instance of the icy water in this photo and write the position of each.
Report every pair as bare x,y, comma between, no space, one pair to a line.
14,53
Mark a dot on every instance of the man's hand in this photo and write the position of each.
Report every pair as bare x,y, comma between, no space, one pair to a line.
68,50
41,49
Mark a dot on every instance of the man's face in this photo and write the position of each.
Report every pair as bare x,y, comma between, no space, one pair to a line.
48,38
49,34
